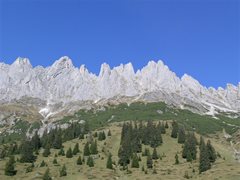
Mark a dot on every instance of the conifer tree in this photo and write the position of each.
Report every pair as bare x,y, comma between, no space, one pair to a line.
90,161
162,128
146,152
55,161
211,152
86,151
57,142
166,125
61,152
109,133
46,175
93,148
43,163
46,151
109,162
154,155
10,167
181,135
176,159
135,163
35,141
149,162
63,171
189,148
69,153
79,161
204,162
76,149
27,153
174,129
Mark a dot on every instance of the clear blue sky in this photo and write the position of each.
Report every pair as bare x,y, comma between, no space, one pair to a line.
197,37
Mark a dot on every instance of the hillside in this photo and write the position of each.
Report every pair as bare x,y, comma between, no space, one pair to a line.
225,166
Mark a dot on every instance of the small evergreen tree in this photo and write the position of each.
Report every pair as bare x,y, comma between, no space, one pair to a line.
27,152
181,135
55,161
86,151
174,129
57,142
211,152
166,125
204,162
109,162
135,163
46,175
43,163
63,171
90,161
93,147
69,153
61,152
79,161
76,149
10,169
109,133
149,162
154,155
176,159
46,151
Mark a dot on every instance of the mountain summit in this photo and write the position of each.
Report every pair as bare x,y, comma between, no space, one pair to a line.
64,83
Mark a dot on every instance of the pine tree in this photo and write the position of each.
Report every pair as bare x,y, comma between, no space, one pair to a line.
181,135
79,161
61,152
76,149
154,155
189,148
86,151
90,161
69,153
109,162
46,175
166,125
55,161
176,159
27,153
93,148
204,162
43,163
146,152
149,162
135,163
162,128
35,141
174,129
10,167
109,133
211,152
57,142
46,151
63,171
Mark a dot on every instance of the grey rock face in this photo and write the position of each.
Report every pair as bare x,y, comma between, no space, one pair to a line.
63,83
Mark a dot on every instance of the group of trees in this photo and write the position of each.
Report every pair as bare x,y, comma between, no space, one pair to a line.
29,147
189,141
207,155
132,139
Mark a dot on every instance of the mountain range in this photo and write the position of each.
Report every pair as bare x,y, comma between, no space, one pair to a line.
62,85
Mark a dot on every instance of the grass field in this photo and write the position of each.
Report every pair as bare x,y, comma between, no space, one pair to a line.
224,168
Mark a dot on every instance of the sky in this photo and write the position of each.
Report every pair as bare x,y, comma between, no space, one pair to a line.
197,37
